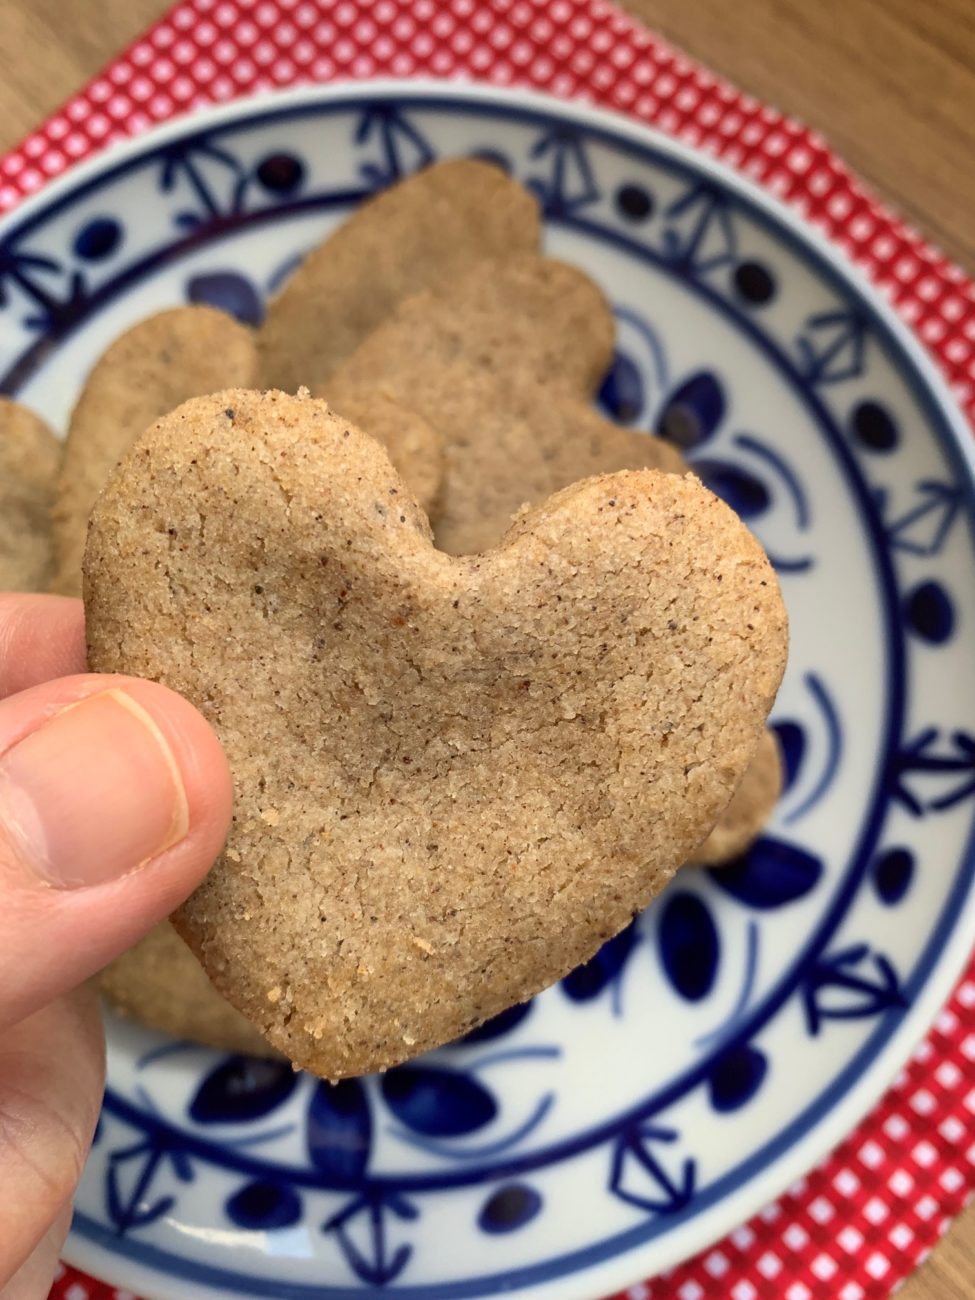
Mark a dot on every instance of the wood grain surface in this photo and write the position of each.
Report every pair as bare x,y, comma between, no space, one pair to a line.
890,83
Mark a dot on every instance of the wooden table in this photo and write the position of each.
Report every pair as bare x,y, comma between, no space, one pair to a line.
890,83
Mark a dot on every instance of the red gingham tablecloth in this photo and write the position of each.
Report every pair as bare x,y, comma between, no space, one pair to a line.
866,1217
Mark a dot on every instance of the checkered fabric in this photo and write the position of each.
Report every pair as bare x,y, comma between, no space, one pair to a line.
868,1215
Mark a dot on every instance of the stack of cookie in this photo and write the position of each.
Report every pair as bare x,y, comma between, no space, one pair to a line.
470,748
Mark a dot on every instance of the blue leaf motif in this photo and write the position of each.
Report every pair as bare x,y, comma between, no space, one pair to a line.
924,528
242,1088
792,747
621,394
509,1208
281,173
31,274
571,183
919,758
196,168
831,347
264,1204
588,980
403,148
689,945
694,411
338,1130
499,1025
228,291
770,874
747,495
437,1102
736,1076
929,611
699,235
893,872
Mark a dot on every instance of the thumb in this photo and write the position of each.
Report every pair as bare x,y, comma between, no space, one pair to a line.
114,800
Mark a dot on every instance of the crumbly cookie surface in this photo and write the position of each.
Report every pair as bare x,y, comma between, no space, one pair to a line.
455,777
160,983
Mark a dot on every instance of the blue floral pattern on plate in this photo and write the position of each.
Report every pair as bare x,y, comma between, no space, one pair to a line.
724,1039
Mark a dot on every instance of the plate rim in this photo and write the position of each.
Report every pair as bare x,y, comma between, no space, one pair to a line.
617,1272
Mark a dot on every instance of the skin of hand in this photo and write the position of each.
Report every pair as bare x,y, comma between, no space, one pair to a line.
115,799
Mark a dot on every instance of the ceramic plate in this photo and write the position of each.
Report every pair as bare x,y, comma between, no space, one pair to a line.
738,1029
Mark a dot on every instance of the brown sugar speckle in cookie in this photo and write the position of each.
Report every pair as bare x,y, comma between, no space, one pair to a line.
422,790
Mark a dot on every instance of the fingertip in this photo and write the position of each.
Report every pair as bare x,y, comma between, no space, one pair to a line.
200,760
104,774
115,800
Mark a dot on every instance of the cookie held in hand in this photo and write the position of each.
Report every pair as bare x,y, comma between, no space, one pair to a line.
455,777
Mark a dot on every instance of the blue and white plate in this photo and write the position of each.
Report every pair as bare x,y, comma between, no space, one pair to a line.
734,1033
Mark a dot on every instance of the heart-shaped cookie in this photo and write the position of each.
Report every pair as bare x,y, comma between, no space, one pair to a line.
503,362
142,375
494,360
425,230
524,319
454,777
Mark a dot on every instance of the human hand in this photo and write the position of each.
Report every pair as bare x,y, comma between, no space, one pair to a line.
114,800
